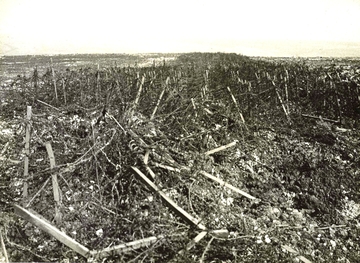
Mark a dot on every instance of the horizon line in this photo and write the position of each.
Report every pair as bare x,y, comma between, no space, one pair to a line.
171,53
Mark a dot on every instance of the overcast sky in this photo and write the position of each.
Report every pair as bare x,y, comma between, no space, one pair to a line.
251,27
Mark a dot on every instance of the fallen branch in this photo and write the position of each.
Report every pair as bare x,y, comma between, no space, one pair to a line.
51,230
38,192
9,160
166,167
170,203
46,104
317,227
206,250
237,107
113,118
332,226
70,167
221,148
282,103
118,249
320,118
221,182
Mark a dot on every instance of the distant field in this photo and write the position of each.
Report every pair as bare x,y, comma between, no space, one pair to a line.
12,66
318,61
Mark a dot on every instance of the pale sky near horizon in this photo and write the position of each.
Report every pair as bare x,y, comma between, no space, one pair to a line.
252,27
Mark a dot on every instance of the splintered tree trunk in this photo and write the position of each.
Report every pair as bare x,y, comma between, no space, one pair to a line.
55,183
81,92
97,84
27,153
64,90
35,83
250,100
136,102
54,80
286,80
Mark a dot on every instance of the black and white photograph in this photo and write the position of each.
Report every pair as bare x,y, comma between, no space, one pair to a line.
180,131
